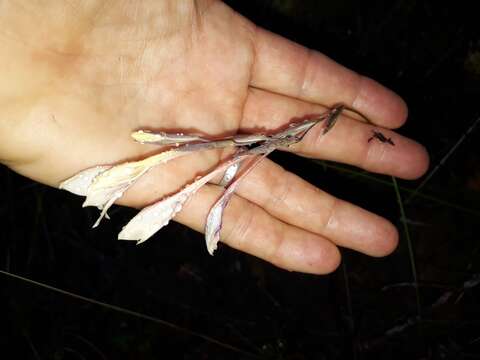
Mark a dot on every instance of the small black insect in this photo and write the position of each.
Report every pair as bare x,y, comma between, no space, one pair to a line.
379,136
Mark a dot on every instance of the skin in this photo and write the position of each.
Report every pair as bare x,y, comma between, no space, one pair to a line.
82,75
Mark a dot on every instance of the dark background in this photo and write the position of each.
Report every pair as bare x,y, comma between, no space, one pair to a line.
368,308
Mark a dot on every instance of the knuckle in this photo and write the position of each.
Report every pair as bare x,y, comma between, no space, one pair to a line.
274,254
329,221
358,91
307,75
242,226
373,155
280,188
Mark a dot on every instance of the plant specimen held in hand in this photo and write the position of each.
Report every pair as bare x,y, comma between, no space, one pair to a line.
103,185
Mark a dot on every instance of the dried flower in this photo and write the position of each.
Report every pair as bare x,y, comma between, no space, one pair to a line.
103,185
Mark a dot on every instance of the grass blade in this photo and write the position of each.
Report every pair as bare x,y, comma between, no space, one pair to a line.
134,314
410,246
443,160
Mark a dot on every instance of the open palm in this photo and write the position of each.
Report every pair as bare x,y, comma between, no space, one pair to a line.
86,76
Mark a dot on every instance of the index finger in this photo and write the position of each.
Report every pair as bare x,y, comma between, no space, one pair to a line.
284,67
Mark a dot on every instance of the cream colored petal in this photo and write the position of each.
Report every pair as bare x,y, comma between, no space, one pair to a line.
79,183
163,138
111,184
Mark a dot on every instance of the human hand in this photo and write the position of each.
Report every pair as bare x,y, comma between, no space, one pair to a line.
83,76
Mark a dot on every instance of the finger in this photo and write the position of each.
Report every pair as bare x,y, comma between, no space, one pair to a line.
294,201
249,228
246,226
347,142
287,68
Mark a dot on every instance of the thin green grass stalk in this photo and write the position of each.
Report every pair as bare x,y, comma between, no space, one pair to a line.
378,180
347,288
444,159
410,246
90,345
349,305
135,314
32,347
74,352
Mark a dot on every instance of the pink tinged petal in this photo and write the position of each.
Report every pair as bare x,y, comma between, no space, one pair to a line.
229,175
152,218
213,224
214,221
79,183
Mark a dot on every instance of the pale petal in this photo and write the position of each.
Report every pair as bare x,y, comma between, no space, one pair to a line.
163,138
213,224
214,221
152,218
79,183
229,175
111,184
